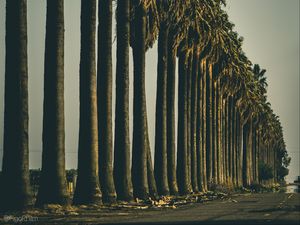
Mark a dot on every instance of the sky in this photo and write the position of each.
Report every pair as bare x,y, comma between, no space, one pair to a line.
271,32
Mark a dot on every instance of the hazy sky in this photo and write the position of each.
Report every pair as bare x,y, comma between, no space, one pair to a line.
271,32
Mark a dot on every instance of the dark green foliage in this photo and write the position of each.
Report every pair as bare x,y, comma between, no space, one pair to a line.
216,187
282,172
265,171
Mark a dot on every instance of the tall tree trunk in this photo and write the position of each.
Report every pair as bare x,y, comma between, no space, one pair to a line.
253,152
245,161
247,129
188,116
256,152
140,128
227,146
239,150
230,144
53,188
150,175
15,190
104,96
204,124
209,137
122,175
213,131
250,151
237,125
160,162
234,153
193,121
224,132
87,185
171,59
199,128
219,127
182,160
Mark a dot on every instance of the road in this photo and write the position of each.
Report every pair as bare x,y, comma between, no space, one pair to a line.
241,209
268,208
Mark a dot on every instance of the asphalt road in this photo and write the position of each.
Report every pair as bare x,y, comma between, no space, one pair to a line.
269,208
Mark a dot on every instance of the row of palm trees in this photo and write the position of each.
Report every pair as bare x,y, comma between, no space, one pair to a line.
226,127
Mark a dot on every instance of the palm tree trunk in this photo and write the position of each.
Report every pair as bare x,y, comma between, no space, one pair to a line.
193,121
259,153
15,190
87,185
236,140
230,141
220,133
140,128
218,124
239,150
53,184
104,96
245,161
256,152
209,137
171,59
247,179
199,128
122,175
182,160
227,144
250,151
188,130
213,131
160,163
234,153
150,175
204,124
224,133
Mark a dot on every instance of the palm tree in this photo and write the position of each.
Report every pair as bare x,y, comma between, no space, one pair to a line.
182,158
104,96
160,160
193,140
171,164
259,75
220,132
200,129
122,175
140,126
188,115
202,120
53,187
15,190
261,83
87,185
176,29
209,114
